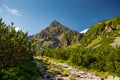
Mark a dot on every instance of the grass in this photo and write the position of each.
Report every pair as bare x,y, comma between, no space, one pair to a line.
71,78
53,68
94,42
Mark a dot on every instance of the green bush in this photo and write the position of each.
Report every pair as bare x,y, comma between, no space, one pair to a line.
103,59
16,55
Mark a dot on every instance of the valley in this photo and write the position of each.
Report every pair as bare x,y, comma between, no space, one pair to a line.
98,49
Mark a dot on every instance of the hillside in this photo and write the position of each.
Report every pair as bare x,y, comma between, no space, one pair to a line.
102,33
56,35
99,48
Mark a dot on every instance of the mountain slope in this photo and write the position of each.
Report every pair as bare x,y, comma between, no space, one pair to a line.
56,35
99,47
102,33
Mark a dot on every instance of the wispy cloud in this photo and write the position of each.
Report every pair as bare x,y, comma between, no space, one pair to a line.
85,30
12,11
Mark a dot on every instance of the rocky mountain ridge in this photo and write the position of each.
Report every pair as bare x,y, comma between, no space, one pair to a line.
56,35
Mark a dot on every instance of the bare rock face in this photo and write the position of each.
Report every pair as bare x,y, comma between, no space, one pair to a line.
116,42
118,26
56,35
54,23
108,29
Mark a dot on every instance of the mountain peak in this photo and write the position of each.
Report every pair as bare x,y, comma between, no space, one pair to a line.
56,35
54,23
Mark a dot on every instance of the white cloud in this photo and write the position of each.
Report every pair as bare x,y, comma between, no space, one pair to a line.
85,30
12,11
17,28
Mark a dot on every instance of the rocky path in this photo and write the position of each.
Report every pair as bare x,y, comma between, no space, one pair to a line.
60,71
45,74
78,74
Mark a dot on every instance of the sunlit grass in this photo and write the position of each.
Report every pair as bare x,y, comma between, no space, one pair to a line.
94,42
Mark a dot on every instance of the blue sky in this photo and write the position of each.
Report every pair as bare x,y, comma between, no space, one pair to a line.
35,15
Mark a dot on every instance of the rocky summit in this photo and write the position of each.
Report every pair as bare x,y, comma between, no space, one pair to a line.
56,35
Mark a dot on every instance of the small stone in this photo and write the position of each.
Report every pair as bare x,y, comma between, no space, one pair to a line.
110,78
45,76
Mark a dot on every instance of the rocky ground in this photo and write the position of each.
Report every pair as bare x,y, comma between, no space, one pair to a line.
116,42
59,71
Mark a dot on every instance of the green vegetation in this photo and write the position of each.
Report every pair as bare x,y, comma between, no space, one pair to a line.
16,55
104,29
26,71
94,52
102,59
94,42
91,50
53,68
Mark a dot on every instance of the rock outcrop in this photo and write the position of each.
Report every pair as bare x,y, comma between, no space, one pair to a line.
116,42
118,26
108,29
